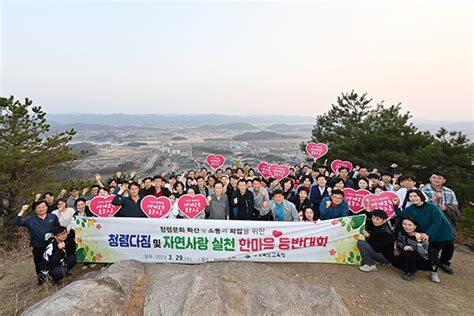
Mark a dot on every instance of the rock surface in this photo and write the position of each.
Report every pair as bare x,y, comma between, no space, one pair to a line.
220,288
243,288
105,294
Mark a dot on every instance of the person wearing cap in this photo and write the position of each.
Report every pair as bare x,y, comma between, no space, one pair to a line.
59,256
38,226
378,245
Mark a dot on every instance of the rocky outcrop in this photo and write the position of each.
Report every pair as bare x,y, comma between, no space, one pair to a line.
221,288
106,293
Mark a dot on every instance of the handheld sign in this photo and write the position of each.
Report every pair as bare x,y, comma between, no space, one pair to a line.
264,170
337,164
192,206
215,161
383,201
279,171
316,150
102,206
155,207
354,199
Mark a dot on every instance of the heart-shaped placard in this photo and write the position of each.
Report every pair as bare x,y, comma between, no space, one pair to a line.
279,171
215,161
354,199
383,201
337,164
155,207
316,150
264,169
102,206
192,206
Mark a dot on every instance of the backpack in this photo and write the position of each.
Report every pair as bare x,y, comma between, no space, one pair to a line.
453,213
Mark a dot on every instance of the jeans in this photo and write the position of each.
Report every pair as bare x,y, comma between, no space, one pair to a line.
59,272
369,255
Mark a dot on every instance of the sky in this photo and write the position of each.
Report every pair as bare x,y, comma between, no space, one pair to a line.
237,57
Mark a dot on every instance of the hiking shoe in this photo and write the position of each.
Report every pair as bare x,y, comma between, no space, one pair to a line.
408,276
434,277
367,268
446,268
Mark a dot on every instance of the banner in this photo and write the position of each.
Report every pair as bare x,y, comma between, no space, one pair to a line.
197,241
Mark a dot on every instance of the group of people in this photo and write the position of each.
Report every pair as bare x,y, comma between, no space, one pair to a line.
422,229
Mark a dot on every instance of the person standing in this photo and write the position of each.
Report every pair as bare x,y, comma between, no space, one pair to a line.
218,204
38,226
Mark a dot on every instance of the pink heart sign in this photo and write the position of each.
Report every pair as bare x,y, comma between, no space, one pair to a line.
316,150
383,201
264,169
155,207
192,206
279,171
337,164
354,199
215,161
102,206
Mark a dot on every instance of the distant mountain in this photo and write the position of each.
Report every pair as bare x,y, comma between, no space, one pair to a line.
287,127
262,135
466,127
231,126
81,126
157,120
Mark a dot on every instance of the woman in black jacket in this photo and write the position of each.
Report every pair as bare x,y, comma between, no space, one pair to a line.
302,202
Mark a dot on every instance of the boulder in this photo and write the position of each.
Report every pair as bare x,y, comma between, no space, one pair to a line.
219,288
244,288
105,294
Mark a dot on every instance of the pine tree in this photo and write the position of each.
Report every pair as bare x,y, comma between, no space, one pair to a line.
30,156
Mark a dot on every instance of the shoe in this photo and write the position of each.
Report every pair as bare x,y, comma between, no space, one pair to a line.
446,268
367,268
408,276
434,277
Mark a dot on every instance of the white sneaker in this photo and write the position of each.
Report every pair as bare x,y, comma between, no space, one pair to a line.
434,277
367,268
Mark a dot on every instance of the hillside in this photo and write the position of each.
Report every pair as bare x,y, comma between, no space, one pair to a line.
262,135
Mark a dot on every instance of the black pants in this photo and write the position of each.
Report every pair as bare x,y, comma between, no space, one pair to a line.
411,261
447,251
57,273
37,257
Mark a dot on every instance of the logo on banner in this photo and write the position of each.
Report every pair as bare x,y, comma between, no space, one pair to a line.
354,199
102,206
383,201
316,150
264,169
215,161
155,207
192,206
279,171
337,164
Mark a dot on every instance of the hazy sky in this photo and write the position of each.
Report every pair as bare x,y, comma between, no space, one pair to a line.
237,58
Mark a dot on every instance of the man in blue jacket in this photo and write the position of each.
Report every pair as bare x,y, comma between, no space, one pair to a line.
38,226
334,206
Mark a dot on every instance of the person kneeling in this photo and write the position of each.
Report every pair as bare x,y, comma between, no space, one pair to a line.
378,245
414,253
59,256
